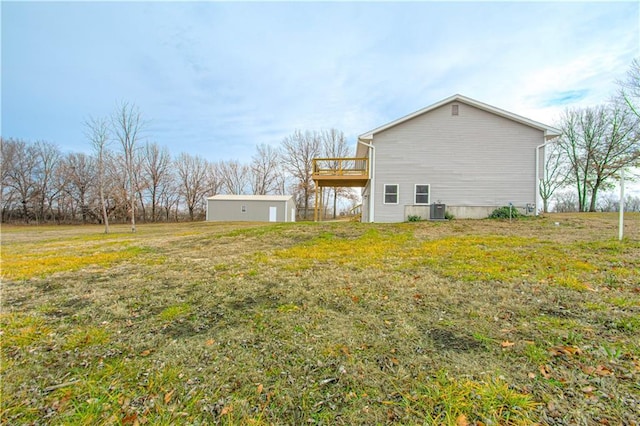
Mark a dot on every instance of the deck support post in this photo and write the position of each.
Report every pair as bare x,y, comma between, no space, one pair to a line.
316,216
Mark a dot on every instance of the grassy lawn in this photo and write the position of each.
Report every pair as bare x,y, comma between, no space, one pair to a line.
461,323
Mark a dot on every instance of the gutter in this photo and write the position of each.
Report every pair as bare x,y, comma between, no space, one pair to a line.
372,161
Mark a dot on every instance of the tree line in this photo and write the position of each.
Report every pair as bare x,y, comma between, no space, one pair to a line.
596,145
128,178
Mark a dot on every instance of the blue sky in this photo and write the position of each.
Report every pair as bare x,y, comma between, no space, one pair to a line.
218,78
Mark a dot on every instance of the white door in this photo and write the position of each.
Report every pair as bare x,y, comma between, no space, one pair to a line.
293,215
273,212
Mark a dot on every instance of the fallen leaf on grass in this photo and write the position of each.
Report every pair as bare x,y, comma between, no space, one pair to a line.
168,395
226,410
146,352
564,350
588,389
260,387
545,370
462,420
600,370
507,344
130,419
210,342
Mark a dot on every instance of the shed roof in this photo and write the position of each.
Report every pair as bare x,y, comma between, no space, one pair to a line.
549,132
234,197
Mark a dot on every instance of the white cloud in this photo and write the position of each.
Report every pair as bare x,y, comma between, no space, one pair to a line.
217,78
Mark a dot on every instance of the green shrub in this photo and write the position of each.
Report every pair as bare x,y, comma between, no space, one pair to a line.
414,218
503,213
448,216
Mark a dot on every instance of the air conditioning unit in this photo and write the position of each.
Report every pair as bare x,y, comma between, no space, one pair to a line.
437,211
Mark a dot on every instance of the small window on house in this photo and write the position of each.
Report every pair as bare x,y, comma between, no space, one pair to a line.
391,194
422,194
244,209
454,109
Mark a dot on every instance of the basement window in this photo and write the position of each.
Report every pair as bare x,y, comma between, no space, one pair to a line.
391,194
422,194
454,109
243,209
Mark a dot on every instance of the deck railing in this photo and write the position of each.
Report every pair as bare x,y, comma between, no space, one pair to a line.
356,167
338,172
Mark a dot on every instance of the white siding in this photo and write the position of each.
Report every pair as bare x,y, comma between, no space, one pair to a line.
473,159
256,209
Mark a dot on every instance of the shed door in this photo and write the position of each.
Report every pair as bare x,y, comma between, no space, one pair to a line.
273,213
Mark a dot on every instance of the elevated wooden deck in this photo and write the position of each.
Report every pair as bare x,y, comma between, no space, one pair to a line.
340,172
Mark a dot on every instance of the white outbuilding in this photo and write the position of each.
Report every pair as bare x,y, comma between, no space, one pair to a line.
251,208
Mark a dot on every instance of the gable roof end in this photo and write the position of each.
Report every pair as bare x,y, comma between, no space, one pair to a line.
549,132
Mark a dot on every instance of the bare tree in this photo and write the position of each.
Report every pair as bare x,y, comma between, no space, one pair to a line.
47,157
20,174
334,145
556,173
632,203
608,202
192,175
630,88
117,181
214,183
156,163
619,149
266,176
97,131
127,124
565,202
234,176
598,143
9,150
79,170
581,129
297,152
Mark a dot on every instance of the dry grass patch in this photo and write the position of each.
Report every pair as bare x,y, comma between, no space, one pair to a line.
336,323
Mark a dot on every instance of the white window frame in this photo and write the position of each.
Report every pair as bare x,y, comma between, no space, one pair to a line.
415,193
384,193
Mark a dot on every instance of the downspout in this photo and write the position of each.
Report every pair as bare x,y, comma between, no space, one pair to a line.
372,162
537,180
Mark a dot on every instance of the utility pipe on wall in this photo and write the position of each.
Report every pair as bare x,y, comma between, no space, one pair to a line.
372,162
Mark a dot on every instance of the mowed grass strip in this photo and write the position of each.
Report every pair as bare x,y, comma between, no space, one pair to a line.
466,322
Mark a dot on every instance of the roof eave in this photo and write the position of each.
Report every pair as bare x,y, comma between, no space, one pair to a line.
552,133
549,132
